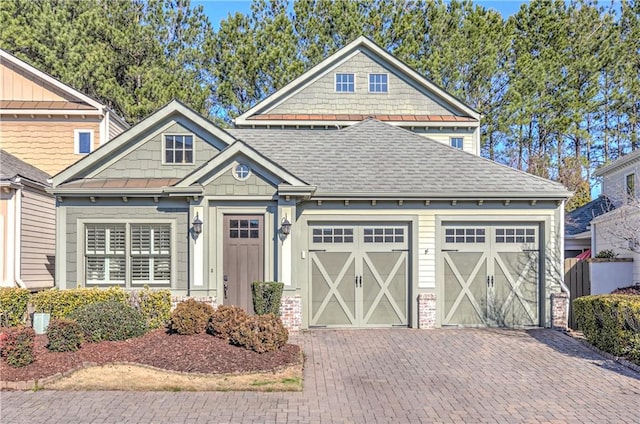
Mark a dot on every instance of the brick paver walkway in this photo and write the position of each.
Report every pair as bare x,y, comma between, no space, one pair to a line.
400,375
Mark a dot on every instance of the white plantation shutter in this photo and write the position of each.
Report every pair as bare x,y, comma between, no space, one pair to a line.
151,253
105,254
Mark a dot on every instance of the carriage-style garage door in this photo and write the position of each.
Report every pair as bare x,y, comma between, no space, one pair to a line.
359,275
491,275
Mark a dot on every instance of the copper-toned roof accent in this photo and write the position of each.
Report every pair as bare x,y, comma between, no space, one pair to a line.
44,105
361,117
127,183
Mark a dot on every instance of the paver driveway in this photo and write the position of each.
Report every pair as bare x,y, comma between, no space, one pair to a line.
400,375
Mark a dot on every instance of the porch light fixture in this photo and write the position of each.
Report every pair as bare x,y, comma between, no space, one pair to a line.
197,225
285,226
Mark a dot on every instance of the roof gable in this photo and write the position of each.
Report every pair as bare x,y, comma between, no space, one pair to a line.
127,142
415,94
620,163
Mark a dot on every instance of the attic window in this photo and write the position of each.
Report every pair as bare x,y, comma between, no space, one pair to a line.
378,83
83,141
241,171
178,149
345,83
457,142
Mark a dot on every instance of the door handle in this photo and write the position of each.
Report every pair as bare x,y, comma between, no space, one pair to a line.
361,281
489,280
358,281
226,287
492,281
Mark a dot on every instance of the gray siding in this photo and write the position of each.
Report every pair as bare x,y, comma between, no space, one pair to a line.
146,160
226,184
116,210
38,231
321,97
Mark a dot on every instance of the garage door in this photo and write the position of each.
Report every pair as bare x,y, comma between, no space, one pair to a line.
491,275
359,275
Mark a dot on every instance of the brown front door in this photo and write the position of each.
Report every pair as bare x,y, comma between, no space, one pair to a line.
243,258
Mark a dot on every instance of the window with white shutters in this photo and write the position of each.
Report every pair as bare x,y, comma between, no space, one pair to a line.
150,253
105,254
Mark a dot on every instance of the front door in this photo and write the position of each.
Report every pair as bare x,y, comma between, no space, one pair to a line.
491,275
359,275
243,253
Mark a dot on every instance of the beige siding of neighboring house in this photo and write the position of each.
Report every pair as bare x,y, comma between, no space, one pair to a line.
444,137
19,85
37,239
114,129
321,96
47,144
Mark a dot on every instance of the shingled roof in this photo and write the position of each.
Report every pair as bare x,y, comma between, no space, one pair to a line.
375,158
12,167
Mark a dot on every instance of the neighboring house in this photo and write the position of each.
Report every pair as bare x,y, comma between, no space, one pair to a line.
47,123
369,225
577,227
27,225
619,229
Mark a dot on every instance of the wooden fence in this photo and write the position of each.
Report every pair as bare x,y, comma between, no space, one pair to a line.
576,277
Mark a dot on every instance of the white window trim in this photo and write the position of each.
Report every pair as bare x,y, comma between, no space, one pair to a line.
128,283
634,195
451,142
164,149
369,83
76,140
335,82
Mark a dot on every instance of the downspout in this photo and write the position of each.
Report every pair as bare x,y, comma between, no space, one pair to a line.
189,250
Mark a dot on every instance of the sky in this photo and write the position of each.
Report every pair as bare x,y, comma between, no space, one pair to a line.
217,10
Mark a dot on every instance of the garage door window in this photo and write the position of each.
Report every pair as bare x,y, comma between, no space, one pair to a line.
384,235
333,235
515,235
465,235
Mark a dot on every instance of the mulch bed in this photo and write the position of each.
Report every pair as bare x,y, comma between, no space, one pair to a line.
201,353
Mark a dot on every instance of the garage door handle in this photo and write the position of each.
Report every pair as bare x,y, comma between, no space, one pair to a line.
449,250
358,280
317,250
399,250
530,250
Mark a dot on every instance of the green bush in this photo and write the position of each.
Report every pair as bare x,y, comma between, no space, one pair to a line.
225,320
13,306
611,323
190,317
155,306
111,320
266,297
61,303
17,345
260,333
64,335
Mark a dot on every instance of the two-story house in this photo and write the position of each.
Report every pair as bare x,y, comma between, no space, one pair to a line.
45,126
359,185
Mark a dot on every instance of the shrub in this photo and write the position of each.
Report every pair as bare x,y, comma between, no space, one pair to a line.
111,320
191,317
64,335
260,333
266,297
611,323
61,303
225,320
13,306
155,306
606,254
633,290
17,345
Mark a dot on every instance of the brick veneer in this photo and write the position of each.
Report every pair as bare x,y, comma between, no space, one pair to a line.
559,311
427,310
291,312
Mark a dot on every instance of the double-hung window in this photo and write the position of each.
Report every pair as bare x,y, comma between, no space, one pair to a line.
345,83
456,142
631,186
105,254
178,149
131,255
378,83
83,141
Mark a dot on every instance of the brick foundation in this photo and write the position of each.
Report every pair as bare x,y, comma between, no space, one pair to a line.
291,312
559,311
206,299
426,310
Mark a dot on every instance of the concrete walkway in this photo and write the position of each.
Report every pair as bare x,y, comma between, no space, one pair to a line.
399,375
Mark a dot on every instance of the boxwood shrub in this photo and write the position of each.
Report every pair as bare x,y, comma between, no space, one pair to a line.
13,306
225,320
260,333
191,317
266,297
611,323
64,335
111,320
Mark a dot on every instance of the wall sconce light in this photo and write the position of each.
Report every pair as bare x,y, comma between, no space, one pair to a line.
197,225
285,226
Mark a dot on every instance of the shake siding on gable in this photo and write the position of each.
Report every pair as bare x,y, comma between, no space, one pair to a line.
321,97
45,143
146,160
38,239
226,185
